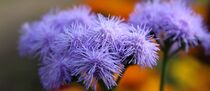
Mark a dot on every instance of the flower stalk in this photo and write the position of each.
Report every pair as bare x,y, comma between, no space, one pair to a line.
166,57
163,70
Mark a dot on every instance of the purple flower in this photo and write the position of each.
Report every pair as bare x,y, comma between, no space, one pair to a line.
94,63
54,71
71,38
36,39
77,43
111,28
173,20
140,46
205,41
150,14
79,14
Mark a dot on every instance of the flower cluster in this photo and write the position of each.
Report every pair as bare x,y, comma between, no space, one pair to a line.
172,20
91,47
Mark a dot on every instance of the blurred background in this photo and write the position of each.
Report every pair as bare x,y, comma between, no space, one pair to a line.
186,71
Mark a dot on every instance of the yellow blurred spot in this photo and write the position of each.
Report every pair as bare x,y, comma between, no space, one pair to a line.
190,75
153,84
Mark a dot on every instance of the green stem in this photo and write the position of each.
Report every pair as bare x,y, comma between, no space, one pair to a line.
163,69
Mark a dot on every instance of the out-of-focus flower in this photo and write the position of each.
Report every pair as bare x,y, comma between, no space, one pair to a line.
171,20
36,39
54,71
79,14
148,13
140,46
206,42
92,64
42,38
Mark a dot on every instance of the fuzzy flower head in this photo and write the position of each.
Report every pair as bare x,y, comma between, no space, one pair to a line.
79,14
173,20
111,28
36,39
72,37
54,72
140,47
148,13
92,64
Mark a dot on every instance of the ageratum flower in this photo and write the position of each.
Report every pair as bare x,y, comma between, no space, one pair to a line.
173,20
140,46
79,14
110,27
150,14
205,40
71,38
54,71
110,30
94,63
36,39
